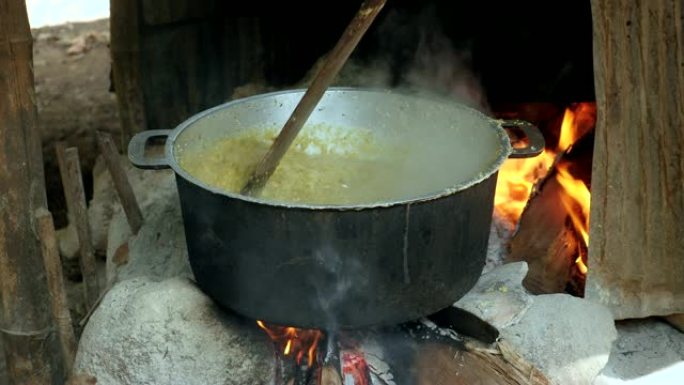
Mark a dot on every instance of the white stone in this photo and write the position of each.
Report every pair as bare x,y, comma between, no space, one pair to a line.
67,239
159,250
148,186
647,352
167,333
499,297
567,338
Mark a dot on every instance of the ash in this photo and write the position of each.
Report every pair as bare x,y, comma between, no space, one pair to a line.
500,234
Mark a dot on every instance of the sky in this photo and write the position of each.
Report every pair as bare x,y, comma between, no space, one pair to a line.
51,12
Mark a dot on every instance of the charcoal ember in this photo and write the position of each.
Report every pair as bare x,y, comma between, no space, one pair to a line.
355,368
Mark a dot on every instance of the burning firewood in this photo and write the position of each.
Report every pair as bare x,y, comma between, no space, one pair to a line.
552,231
330,376
442,364
546,241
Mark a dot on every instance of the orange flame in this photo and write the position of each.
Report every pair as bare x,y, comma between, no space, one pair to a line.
576,199
518,176
296,342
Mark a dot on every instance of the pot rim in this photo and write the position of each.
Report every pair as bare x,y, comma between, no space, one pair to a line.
504,141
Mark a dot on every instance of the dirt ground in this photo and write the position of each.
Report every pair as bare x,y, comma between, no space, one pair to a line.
72,80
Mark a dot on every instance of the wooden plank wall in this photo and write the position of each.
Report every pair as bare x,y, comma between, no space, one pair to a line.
174,58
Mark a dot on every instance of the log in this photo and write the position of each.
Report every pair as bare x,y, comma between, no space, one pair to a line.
72,182
442,364
55,281
330,375
121,182
676,320
637,238
546,240
24,323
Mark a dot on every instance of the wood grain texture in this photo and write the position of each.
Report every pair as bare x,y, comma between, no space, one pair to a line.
55,281
676,320
191,66
636,251
546,241
73,191
157,12
24,323
121,182
440,364
124,29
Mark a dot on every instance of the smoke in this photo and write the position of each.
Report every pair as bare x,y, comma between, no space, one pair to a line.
348,277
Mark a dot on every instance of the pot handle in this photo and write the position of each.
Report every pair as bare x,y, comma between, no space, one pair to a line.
137,146
535,139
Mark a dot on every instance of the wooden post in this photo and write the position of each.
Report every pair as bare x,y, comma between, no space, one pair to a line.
24,323
636,249
72,181
55,280
125,50
120,179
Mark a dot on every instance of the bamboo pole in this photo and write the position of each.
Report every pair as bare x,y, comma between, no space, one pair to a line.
24,324
55,280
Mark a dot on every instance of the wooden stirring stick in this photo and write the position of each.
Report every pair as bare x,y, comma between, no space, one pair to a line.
338,56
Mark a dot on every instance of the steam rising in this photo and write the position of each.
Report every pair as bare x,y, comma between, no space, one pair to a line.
432,65
349,278
416,56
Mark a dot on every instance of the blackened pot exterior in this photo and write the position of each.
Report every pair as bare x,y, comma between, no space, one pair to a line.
337,268
342,266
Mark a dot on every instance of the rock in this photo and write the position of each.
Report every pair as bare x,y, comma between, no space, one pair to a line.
158,251
84,43
78,46
567,338
170,333
47,37
147,185
499,297
67,238
647,352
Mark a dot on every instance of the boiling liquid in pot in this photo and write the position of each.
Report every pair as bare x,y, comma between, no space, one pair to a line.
335,166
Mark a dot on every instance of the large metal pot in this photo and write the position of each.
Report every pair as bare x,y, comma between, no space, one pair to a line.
341,266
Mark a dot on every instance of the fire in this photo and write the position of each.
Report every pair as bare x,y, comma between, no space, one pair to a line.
354,365
517,177
515,183
576,199
294,342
